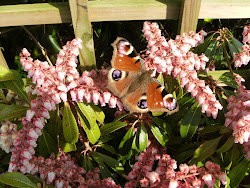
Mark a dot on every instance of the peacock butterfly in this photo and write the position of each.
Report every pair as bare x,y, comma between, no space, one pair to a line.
129,81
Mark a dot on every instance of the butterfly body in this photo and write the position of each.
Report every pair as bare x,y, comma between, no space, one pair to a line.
129,81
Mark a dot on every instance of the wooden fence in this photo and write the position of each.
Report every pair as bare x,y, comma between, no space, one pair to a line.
82,12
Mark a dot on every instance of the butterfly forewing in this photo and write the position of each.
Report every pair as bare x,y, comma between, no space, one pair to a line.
125,56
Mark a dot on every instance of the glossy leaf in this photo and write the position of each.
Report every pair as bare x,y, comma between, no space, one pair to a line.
70,129
6,74
206,149
143,137
237,174
211,49
104,171
12,111
190,122
228,144
126,143
93,132
88,112
100,116
17,179
158,134
46,145
108,148
237,44
17,86
228,80
111,127
66,147
113,163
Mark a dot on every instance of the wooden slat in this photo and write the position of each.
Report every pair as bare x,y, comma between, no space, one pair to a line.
189,14
113,10
34,14
83,30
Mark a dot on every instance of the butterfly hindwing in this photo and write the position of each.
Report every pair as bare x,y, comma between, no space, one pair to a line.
159,99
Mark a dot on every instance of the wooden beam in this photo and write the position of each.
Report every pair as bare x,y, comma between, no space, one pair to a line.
114,10
83,30
189,14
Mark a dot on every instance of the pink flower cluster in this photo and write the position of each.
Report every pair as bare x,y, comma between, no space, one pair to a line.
63,172
53,85
8,133
173,57
238,116
246,34
165,175
243,57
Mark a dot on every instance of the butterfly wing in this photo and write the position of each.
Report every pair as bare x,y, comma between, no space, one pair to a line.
150,96
125,56
159,99
126,67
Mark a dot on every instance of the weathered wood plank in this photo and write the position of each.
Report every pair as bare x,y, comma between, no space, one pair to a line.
83,30
113,10
34,14
189,14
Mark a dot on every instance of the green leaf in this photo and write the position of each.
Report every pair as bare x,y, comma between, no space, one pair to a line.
66,147
108,148
160,78
181,157
111,127
143,138
17,179
228,79
54,43
104,171
17,86
93,132
86,163
237,44
88,112
228,144
190,122
206,149
35,179
100,116
126,143
113,163
6,74
158,134
12,111
46,145
210,129
211,49
232,49
237,174
70,129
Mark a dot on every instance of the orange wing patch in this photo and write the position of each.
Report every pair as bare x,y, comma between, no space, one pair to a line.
126,63
154,97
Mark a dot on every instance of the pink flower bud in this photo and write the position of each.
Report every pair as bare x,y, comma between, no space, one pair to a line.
29,115
51,176
25,153
32,133
173,184
112,102
80,94
208,179
96,96
88,96
73,95
63,96
56,98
